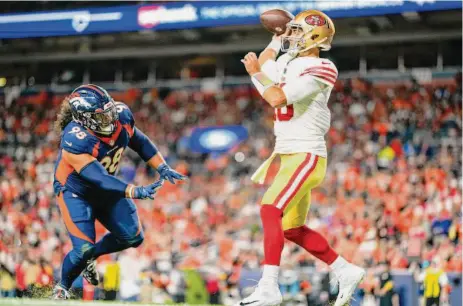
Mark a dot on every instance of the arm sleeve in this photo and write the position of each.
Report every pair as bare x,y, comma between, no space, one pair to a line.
141,144
96,174
270,68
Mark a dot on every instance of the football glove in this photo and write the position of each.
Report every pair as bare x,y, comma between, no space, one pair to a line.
146,192
167,173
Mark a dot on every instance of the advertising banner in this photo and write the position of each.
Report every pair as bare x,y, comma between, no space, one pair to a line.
188,15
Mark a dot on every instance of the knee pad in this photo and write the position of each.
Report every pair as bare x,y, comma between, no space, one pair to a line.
82,253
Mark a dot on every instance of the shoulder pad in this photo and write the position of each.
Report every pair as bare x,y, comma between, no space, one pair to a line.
77,140
321,68
125,115
327,63
283,60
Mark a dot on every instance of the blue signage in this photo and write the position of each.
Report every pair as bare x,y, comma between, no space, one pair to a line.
187,15
216,139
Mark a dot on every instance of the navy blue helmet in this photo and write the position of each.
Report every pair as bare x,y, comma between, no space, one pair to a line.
94,108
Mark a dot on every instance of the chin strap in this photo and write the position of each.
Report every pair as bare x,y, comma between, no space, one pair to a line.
106,134
314,45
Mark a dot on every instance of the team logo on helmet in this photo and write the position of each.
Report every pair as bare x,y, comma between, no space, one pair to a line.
78,101
315,20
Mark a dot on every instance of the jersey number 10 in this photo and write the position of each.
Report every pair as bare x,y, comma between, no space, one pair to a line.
284,113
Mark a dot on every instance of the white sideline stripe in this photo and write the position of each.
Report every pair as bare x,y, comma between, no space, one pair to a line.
296,182
59,16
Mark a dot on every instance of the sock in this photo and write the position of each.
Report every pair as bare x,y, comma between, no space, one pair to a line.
273,234
109,244
338,264
73,265
270,274
312,242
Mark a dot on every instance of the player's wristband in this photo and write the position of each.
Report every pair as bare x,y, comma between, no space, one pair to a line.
129,191
262,82
275,45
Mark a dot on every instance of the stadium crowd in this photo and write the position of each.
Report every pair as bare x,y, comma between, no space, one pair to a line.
392,192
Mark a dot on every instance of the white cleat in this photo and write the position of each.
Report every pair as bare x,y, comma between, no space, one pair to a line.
349,277
60,293
263,295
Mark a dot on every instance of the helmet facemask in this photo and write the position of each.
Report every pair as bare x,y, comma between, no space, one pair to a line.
102,121
292,41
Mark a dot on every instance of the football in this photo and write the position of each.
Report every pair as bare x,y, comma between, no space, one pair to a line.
275,20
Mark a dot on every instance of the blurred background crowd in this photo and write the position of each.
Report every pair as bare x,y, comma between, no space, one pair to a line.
391,200
392,192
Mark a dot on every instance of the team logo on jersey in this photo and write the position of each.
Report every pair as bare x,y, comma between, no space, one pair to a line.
315,20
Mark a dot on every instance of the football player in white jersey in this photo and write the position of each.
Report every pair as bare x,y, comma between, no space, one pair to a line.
298,86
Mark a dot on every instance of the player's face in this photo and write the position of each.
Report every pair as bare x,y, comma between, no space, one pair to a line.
294,30
292,37
105,120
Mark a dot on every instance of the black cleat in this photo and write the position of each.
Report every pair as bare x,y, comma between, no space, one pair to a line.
90,273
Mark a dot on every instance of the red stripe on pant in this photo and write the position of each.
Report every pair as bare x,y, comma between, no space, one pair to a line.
291,180
304,178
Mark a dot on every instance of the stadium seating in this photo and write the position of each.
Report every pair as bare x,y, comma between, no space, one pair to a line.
392,191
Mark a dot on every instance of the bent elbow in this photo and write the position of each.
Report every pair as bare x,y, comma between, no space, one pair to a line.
275,97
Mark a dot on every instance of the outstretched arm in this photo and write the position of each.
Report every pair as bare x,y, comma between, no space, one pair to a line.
147,150
91,170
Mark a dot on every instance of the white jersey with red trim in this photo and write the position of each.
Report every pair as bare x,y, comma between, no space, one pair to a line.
307,82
